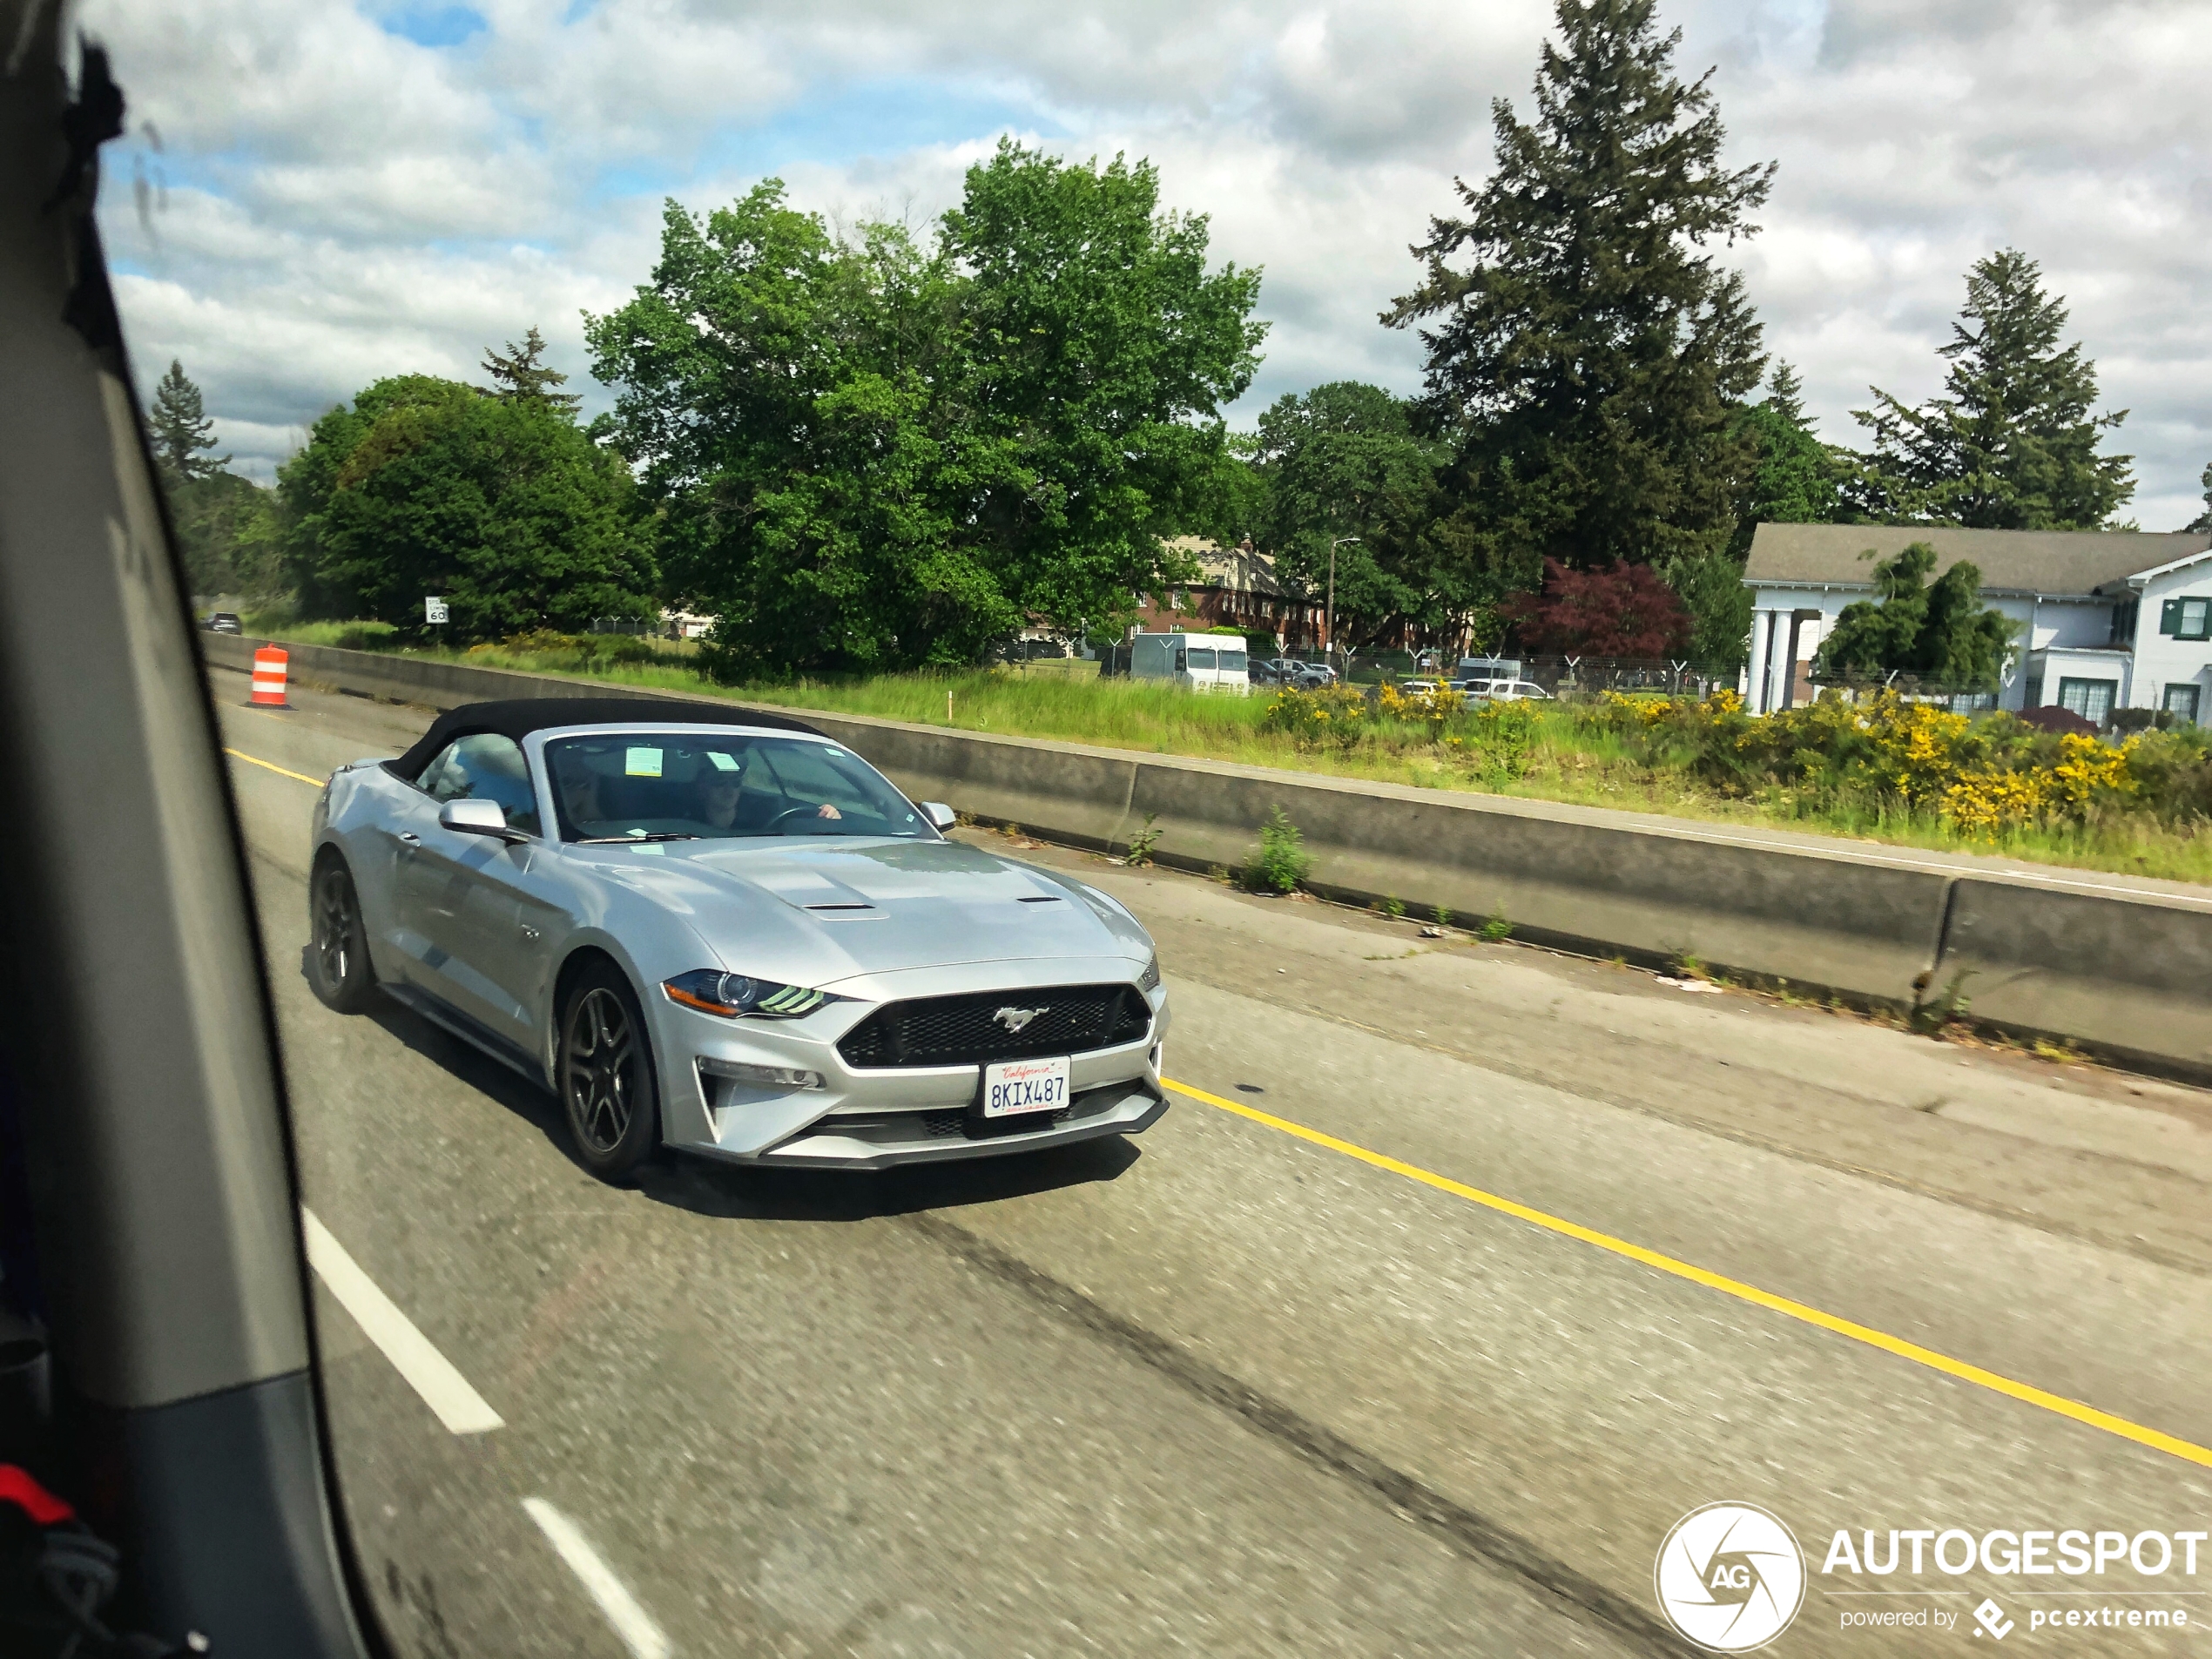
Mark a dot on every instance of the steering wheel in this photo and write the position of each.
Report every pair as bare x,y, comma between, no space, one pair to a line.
776,824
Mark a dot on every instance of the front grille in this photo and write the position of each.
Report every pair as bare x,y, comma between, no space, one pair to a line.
965,1031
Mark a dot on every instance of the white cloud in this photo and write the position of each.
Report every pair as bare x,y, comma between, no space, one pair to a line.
343,203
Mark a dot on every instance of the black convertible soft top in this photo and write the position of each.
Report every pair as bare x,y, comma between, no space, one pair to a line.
519,717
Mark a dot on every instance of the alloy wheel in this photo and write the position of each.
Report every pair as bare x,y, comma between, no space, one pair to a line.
334,926
599,1069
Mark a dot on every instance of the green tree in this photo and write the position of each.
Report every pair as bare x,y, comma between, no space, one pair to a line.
519,373
427,486
1343,461
1795,479
1097,352
792,399
1587,359
2011,444
179,424
1942,633
228,530
873,454
2203,520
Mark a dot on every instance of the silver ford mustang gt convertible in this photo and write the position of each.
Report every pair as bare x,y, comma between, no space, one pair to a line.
733,936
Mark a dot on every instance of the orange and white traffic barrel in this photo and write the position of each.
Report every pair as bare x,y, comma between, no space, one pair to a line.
269,666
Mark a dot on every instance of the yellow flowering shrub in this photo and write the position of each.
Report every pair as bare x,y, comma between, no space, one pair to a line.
1330,717
1434,708
2092,774
1982,804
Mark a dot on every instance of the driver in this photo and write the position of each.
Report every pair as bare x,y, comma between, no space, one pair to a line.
580,793
724,805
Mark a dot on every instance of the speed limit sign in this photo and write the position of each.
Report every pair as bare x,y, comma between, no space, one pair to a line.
434,609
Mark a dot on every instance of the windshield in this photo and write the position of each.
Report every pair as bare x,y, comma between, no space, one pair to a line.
637,785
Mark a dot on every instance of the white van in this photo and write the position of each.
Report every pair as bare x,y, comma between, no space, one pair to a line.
1203,662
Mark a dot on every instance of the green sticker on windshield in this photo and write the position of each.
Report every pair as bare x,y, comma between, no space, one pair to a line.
722,762
642,763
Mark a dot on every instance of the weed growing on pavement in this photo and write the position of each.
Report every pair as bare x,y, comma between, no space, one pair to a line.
1951,1003
1496,929
1142,843
1393,908
1280,863
1443,916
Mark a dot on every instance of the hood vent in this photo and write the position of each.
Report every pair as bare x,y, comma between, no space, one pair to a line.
856,910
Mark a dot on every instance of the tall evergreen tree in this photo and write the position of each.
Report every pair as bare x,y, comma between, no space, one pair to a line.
519,373
1786,396
2011,444
1793,480
1587,359
2203,520
181,430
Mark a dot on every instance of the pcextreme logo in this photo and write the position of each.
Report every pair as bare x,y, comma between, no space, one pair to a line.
1730,1577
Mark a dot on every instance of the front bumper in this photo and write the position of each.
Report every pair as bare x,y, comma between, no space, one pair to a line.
878,1140
873,1117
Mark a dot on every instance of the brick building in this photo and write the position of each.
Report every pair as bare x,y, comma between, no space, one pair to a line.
1237,588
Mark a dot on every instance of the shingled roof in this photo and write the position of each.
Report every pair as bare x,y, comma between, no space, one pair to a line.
2022,561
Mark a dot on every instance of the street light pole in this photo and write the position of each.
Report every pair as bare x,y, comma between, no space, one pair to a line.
1329,622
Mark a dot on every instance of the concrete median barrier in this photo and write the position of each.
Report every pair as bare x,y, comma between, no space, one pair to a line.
2129,974
2121,968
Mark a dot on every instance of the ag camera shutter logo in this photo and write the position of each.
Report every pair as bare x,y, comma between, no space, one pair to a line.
1730,1577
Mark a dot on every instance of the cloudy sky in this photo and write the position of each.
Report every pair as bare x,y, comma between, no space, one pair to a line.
314,196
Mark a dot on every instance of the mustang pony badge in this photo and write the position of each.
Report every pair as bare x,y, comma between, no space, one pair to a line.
1015,1019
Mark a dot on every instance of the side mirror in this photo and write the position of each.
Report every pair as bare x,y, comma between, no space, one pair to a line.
941,816
470,817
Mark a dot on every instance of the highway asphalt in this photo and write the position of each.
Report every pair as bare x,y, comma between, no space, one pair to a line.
1290,1374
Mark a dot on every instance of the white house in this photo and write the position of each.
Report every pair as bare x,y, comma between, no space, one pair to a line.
2107,618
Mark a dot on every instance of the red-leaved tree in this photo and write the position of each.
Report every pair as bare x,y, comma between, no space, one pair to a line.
1627,611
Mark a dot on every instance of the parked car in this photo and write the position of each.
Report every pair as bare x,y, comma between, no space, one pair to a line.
224,622
1505,691
1308,677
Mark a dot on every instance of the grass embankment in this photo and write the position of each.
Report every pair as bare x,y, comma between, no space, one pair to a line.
1932,780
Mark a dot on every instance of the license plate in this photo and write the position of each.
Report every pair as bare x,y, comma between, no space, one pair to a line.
1013,1087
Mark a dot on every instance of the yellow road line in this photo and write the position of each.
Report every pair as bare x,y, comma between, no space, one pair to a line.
271,765
1813,1316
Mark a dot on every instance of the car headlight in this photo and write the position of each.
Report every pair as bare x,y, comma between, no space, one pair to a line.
1149,979
711,991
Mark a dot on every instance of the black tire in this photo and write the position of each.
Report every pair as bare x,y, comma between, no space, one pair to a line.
339,968
603,1068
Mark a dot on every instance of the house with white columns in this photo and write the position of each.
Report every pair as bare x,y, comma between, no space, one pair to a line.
2104,619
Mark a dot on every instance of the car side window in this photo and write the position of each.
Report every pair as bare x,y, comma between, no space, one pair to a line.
485,767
